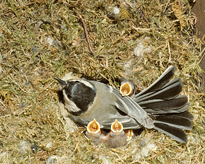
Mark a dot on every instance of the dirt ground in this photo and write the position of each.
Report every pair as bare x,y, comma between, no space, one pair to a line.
100,40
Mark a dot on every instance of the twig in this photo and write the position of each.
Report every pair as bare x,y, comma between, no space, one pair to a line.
202,54
141,29
86,33
31,3
2,103
166,6
10,10
74,150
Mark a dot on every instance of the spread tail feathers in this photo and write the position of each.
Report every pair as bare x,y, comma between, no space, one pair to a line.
162,100
173,124
176,133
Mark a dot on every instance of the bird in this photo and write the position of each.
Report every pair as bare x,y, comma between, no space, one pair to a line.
117,136
95,133
158,107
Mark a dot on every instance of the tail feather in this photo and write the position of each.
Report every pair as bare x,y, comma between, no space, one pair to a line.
161,81
162,101
169,91
174,121
174,111
186,114
159,106
175,133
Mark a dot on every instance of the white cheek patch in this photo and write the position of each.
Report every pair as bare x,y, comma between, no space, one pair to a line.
70,105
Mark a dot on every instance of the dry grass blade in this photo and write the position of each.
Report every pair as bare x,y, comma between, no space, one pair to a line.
42,39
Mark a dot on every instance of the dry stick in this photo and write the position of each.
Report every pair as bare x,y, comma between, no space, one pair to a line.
19,7
31,3
86,33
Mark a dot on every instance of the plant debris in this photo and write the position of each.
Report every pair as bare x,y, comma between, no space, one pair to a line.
42,39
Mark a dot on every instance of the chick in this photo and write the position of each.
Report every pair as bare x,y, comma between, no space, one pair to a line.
127,88
94,133
117,137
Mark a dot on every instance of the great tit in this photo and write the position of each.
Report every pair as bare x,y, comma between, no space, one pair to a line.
158,107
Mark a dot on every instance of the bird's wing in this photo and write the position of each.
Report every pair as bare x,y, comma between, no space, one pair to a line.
125,120
132,109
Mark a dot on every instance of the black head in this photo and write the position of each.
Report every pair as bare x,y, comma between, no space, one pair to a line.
80,92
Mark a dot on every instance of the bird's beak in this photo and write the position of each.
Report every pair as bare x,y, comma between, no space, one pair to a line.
62,83
116,127
93,127
126,89
130,134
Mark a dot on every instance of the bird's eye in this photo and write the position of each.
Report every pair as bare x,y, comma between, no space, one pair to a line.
68,91
68,94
